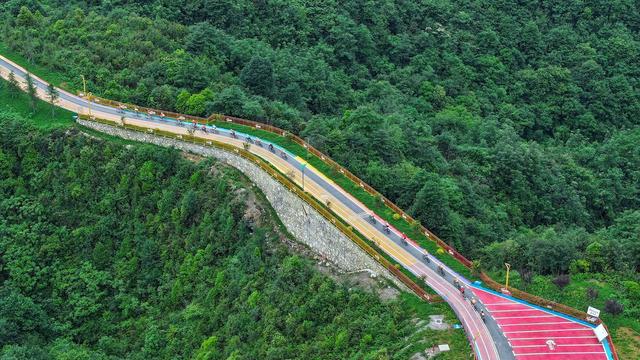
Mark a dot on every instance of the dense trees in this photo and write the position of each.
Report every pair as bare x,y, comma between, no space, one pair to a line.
490,121
111,252
257,76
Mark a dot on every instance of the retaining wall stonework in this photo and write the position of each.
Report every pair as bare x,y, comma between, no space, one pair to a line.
300,219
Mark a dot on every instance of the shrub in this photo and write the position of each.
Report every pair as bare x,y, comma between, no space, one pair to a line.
579,266
613,307
396,216
415,224
592,293
526,275
562,281
476,267
633,289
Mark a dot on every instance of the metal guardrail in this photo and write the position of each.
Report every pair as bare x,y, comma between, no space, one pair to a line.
282,179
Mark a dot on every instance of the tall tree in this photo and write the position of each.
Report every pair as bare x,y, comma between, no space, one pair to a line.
32,92
257,76
53,95
14,86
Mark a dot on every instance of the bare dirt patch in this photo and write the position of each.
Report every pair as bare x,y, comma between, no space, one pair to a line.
628,343
192,157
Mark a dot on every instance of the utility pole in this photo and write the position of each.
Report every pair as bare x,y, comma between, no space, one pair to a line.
506,285
87,95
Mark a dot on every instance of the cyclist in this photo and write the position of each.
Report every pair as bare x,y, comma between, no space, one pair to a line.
404,240
386,228
372,218
271,148
482,315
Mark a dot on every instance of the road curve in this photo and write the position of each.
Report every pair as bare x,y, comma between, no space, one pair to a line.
486,338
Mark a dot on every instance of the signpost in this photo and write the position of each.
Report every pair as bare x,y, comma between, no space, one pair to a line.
601,332
592,314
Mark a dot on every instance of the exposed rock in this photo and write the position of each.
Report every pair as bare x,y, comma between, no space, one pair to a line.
437,323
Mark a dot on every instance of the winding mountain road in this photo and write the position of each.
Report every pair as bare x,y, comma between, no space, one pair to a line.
488,338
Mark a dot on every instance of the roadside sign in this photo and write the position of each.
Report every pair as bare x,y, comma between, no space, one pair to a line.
593,312
601,332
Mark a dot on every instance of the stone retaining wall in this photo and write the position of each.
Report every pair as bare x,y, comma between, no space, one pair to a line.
300,219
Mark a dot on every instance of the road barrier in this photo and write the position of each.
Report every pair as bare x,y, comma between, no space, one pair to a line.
284,180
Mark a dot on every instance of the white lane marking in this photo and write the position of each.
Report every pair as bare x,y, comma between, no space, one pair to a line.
557,330
545,345
145,121
548,312
561,353
457,300
542,323
504,303
556,337
525,317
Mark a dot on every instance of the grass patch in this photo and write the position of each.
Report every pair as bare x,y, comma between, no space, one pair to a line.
627,343
41,117
427,338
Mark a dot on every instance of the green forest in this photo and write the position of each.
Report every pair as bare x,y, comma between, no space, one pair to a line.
509,128
113,251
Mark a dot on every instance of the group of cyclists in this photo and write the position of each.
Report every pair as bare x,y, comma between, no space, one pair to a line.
474,302
214,130
386,228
